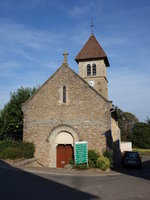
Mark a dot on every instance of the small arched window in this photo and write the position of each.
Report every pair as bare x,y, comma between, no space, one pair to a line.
94,69
88,70
64,94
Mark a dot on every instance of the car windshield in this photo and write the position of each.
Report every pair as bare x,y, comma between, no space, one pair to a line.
132,155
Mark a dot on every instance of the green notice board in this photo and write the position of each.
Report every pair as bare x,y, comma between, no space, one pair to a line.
81,152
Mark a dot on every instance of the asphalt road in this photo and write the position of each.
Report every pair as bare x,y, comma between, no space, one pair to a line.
129,184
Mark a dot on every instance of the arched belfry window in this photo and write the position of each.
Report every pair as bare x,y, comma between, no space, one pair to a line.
94,69
88,70
64,94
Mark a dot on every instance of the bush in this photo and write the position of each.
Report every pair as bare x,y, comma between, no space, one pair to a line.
11,153
82,166
27,149
10,149
103,163
71,162
109,154
92,158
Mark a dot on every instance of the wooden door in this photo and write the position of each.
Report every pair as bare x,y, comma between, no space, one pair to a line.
64,155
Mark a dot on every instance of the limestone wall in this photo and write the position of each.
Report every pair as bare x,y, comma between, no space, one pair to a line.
100,79
85,111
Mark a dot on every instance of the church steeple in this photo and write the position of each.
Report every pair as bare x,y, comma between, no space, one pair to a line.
92,50
93,62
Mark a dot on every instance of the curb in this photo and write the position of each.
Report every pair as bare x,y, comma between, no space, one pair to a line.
66,173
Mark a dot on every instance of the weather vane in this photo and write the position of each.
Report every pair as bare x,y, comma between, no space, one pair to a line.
92,25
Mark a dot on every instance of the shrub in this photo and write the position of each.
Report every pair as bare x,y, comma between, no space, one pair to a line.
27,149
92,158
109,154
82,166
10,149
71,162
103,163
11,153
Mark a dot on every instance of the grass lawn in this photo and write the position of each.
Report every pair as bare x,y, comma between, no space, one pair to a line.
145,152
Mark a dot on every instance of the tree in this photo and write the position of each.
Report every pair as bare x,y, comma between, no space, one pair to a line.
148,120
11,117
140,136
126,123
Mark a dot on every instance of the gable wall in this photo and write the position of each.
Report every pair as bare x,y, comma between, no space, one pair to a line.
85,111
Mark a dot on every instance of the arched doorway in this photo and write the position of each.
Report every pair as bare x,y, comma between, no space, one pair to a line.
64,147
63,136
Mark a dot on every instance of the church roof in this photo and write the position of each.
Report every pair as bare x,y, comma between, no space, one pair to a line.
92,50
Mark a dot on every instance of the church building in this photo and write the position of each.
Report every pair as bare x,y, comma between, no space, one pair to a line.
71,107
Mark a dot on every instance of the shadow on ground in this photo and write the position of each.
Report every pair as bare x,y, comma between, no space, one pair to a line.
143,173
20,185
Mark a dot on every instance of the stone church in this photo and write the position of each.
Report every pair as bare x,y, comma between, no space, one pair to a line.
69,107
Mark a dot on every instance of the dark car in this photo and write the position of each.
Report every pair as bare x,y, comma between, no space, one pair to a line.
131,159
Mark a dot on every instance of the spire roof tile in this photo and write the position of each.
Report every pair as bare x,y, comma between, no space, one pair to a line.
92,50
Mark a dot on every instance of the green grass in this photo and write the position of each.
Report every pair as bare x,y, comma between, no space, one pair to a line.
145,152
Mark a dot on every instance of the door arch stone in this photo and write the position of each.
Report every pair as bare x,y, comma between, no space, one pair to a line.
54,138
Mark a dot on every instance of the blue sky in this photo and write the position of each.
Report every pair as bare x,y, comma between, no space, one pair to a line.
34,34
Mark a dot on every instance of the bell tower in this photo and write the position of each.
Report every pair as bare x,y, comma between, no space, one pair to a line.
93,63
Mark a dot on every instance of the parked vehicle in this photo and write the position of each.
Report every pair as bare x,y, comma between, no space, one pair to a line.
131,159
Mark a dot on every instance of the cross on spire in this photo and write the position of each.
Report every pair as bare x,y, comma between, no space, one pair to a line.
65,56
92,25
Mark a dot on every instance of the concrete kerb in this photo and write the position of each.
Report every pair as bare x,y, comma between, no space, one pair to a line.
61,172
58,171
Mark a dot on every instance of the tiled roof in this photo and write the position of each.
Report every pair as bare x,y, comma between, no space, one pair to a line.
92,50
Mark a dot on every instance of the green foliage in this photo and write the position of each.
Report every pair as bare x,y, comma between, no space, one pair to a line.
144,152
92,158
95,160
82,166
140,136
27,149
109,154
71,162
11,117
126,123
10,149
103,163
11,153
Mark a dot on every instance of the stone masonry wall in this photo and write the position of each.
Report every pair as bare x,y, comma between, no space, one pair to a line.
85,111
100,79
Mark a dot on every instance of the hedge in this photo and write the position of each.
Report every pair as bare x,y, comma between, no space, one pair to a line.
10,149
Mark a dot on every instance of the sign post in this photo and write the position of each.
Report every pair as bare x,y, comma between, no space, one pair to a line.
81,152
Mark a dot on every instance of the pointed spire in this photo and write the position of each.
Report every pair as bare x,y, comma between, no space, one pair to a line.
92,50
65,57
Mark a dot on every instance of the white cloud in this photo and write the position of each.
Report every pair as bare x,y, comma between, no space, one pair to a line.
21,35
